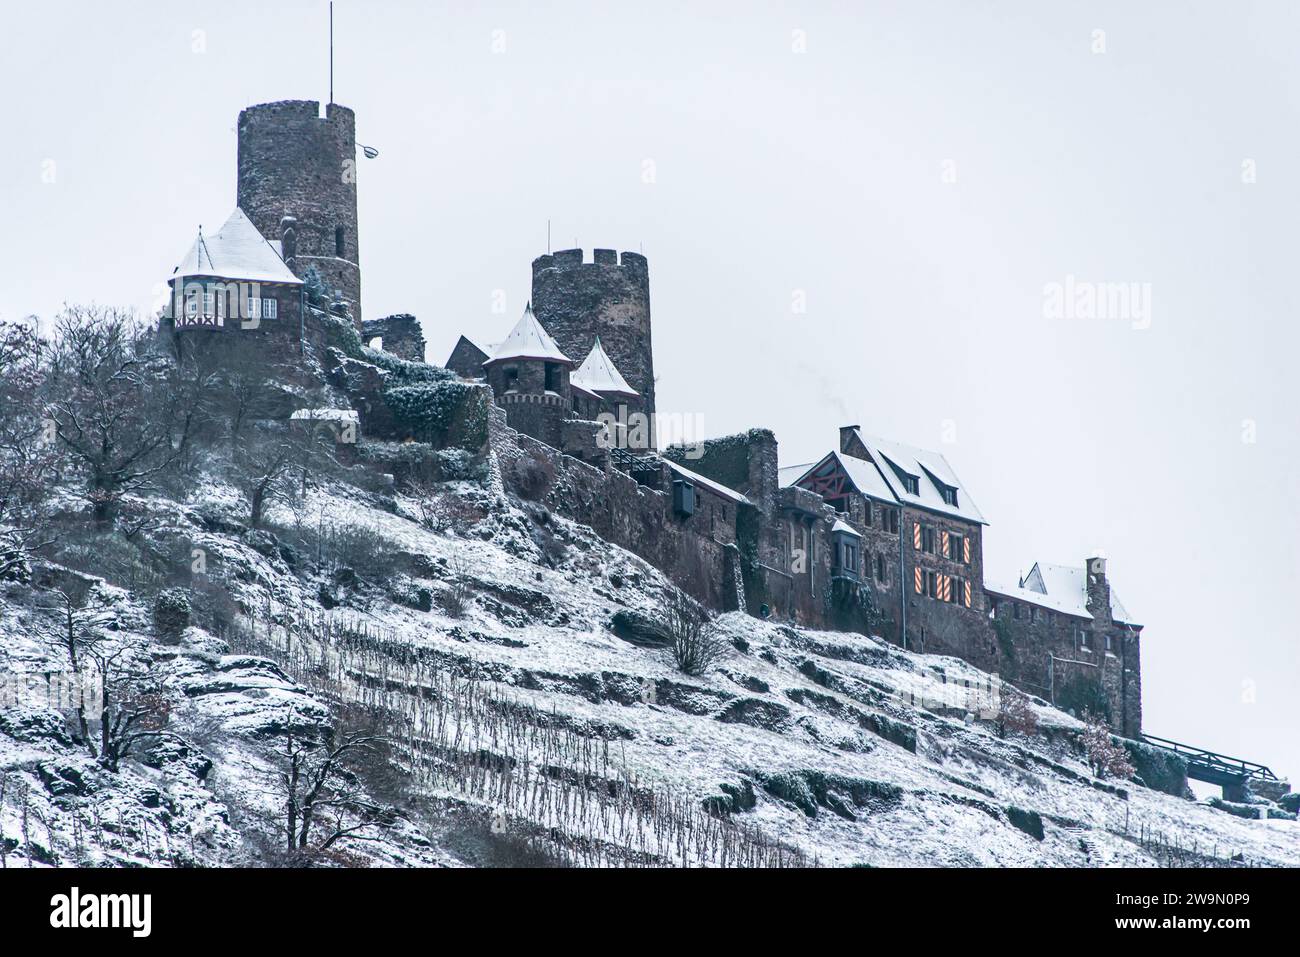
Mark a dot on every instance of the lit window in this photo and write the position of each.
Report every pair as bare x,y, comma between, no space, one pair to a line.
254,308
192,305
270,308
209,304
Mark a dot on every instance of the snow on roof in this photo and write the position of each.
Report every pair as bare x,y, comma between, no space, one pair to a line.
1062,603
865,476
528,340
1063,588
235,251
708,483
930,469
843,526
788,475
598,374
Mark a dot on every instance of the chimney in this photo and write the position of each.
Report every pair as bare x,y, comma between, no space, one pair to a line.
1098,589
846,437
288,240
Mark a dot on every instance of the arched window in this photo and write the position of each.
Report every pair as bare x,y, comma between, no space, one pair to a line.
340,236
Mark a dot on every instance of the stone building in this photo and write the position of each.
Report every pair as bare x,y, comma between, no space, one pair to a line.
529,376
876,537
234,279
607,298
297,182
1065,635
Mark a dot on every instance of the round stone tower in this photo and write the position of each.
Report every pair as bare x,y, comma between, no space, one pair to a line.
608,297
298,173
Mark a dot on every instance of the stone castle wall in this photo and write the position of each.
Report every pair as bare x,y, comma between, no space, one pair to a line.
692,550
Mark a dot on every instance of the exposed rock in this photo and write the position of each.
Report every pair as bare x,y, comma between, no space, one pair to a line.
1031,822
639,629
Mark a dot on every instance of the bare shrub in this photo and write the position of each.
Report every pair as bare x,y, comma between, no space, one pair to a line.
1015,713
361,548
455,599
440,509
1106,756
696,644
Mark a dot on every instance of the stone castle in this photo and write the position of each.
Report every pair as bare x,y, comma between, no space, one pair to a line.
876,537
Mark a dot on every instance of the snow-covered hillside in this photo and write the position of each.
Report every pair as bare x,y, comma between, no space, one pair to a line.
490,651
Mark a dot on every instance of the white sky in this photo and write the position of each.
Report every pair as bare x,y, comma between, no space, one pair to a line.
776,172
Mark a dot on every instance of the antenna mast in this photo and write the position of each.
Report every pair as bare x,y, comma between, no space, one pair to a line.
331,52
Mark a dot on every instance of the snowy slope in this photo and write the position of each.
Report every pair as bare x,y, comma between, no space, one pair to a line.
527,715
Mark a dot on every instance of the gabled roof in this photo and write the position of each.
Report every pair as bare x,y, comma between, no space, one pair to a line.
599,376
866,478
235,251
931,471
1063,588
528,340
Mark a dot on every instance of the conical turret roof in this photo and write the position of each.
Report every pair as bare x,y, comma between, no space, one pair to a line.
528,340
600,376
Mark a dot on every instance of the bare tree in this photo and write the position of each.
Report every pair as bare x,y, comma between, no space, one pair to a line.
27,461
109,400
1106,756
323,801
266,468
132,705
696,644
1015,713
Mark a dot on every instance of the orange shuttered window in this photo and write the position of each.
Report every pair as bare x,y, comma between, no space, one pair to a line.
916,535
965,555
968,594
918,580
945,552
945,588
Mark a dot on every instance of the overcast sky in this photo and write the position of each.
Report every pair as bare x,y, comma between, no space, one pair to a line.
851,213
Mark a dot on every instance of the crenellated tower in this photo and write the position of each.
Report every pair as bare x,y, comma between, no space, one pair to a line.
298,184
608,298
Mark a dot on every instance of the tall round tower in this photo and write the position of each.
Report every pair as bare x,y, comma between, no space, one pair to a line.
608,297
298,173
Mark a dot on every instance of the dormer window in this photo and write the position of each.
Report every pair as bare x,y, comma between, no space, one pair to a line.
911,483
949,494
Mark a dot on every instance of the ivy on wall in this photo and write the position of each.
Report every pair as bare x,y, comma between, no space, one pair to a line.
442,413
